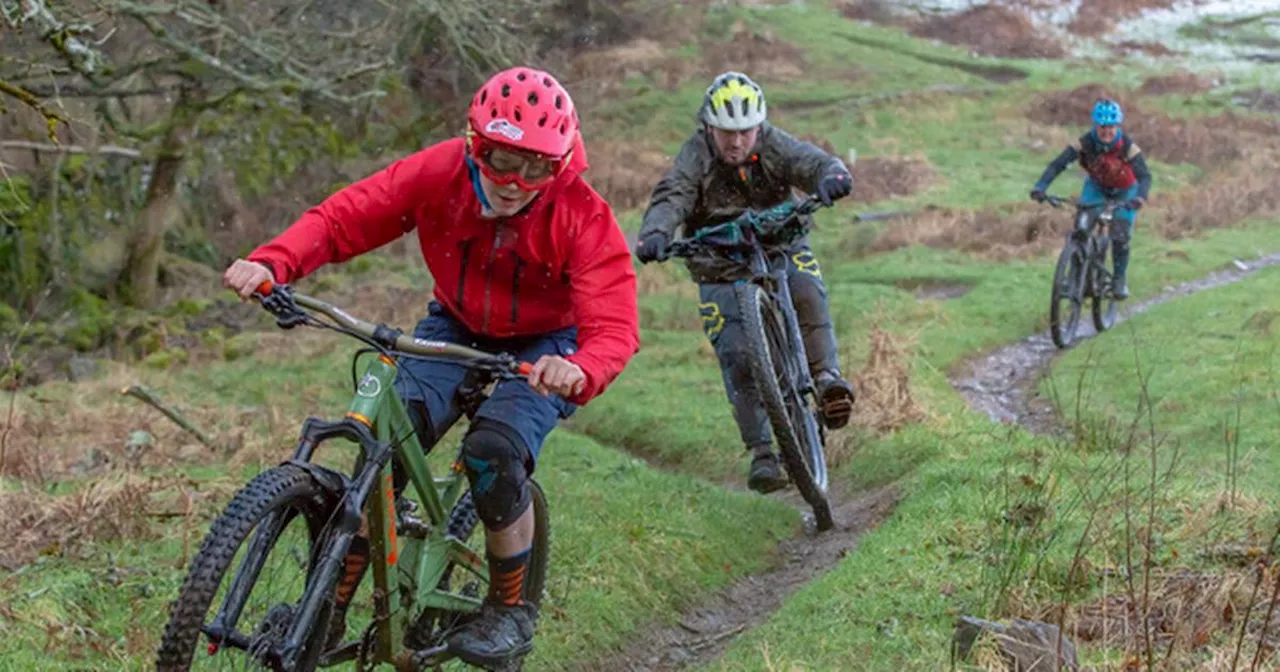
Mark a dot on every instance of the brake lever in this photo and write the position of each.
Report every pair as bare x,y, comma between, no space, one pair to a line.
278,300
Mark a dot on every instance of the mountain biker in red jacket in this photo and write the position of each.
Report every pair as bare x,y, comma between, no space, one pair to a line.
526,259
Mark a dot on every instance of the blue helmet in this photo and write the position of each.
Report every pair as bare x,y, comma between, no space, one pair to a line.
1107,113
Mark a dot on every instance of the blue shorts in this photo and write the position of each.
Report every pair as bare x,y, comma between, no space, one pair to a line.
513,403
1096,194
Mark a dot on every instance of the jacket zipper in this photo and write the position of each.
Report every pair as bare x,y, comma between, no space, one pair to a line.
465,250
488,276
515,289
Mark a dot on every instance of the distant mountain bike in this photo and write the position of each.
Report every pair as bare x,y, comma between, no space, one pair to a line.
1082,272
779,366
294,523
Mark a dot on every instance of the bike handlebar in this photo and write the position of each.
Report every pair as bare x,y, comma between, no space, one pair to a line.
743,228
1057,202
284,303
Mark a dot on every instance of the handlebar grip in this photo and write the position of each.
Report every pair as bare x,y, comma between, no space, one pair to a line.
265,288
524,368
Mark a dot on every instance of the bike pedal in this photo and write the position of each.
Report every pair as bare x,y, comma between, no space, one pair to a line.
412,527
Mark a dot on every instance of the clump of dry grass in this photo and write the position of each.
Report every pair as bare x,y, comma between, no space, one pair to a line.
1250,188
885,401
1020,231
113,508
1184,612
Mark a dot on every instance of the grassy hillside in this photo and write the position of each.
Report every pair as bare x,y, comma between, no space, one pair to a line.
993,521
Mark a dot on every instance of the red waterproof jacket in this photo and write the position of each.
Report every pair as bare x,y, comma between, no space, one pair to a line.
562,262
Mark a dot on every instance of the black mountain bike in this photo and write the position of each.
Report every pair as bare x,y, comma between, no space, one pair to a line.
1082,271
779,365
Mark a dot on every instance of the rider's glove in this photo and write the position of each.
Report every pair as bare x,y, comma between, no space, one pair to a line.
1135,204
653,247
1037,195
834,187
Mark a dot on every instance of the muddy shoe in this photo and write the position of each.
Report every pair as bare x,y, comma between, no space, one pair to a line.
835,395
1120,288
765,475
498,637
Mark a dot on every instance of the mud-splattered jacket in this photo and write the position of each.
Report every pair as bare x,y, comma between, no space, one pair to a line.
1117,167
700,190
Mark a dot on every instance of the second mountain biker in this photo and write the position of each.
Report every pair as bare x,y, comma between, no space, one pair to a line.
737,161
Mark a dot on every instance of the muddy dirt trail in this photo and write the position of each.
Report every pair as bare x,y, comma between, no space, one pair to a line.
704,632
1003,383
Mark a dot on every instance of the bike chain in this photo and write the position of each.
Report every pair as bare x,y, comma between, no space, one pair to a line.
366,644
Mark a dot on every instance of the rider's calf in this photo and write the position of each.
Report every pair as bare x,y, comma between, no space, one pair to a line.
497,465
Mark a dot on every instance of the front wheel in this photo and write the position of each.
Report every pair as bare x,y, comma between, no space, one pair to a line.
1068,291
272,533
1103,302
776,370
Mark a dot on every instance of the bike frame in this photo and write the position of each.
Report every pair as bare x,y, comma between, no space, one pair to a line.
771,275
1096,221
406,573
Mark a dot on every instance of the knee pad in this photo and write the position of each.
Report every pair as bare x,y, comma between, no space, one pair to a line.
496,462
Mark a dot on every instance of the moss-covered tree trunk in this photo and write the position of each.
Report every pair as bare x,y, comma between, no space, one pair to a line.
146,245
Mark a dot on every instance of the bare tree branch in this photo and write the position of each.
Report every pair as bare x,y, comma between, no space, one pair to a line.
110,150
51,117
62,36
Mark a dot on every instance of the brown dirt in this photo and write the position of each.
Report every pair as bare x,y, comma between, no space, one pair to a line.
878,178
1099,17
704,631
874,11
1155,49
1181,81
991,30
625,173
762,55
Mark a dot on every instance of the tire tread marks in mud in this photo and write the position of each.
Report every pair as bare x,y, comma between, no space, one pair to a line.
265,493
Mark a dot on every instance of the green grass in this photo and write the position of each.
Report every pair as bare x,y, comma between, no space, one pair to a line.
1210,362
633,544
630,546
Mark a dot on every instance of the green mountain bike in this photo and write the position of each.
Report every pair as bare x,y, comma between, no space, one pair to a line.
293,524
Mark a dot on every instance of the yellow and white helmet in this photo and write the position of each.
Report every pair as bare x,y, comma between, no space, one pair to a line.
734,103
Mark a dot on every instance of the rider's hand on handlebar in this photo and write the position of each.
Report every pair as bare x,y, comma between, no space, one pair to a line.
1135,203
553,374
1037,195
834,187
244,277
653,247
